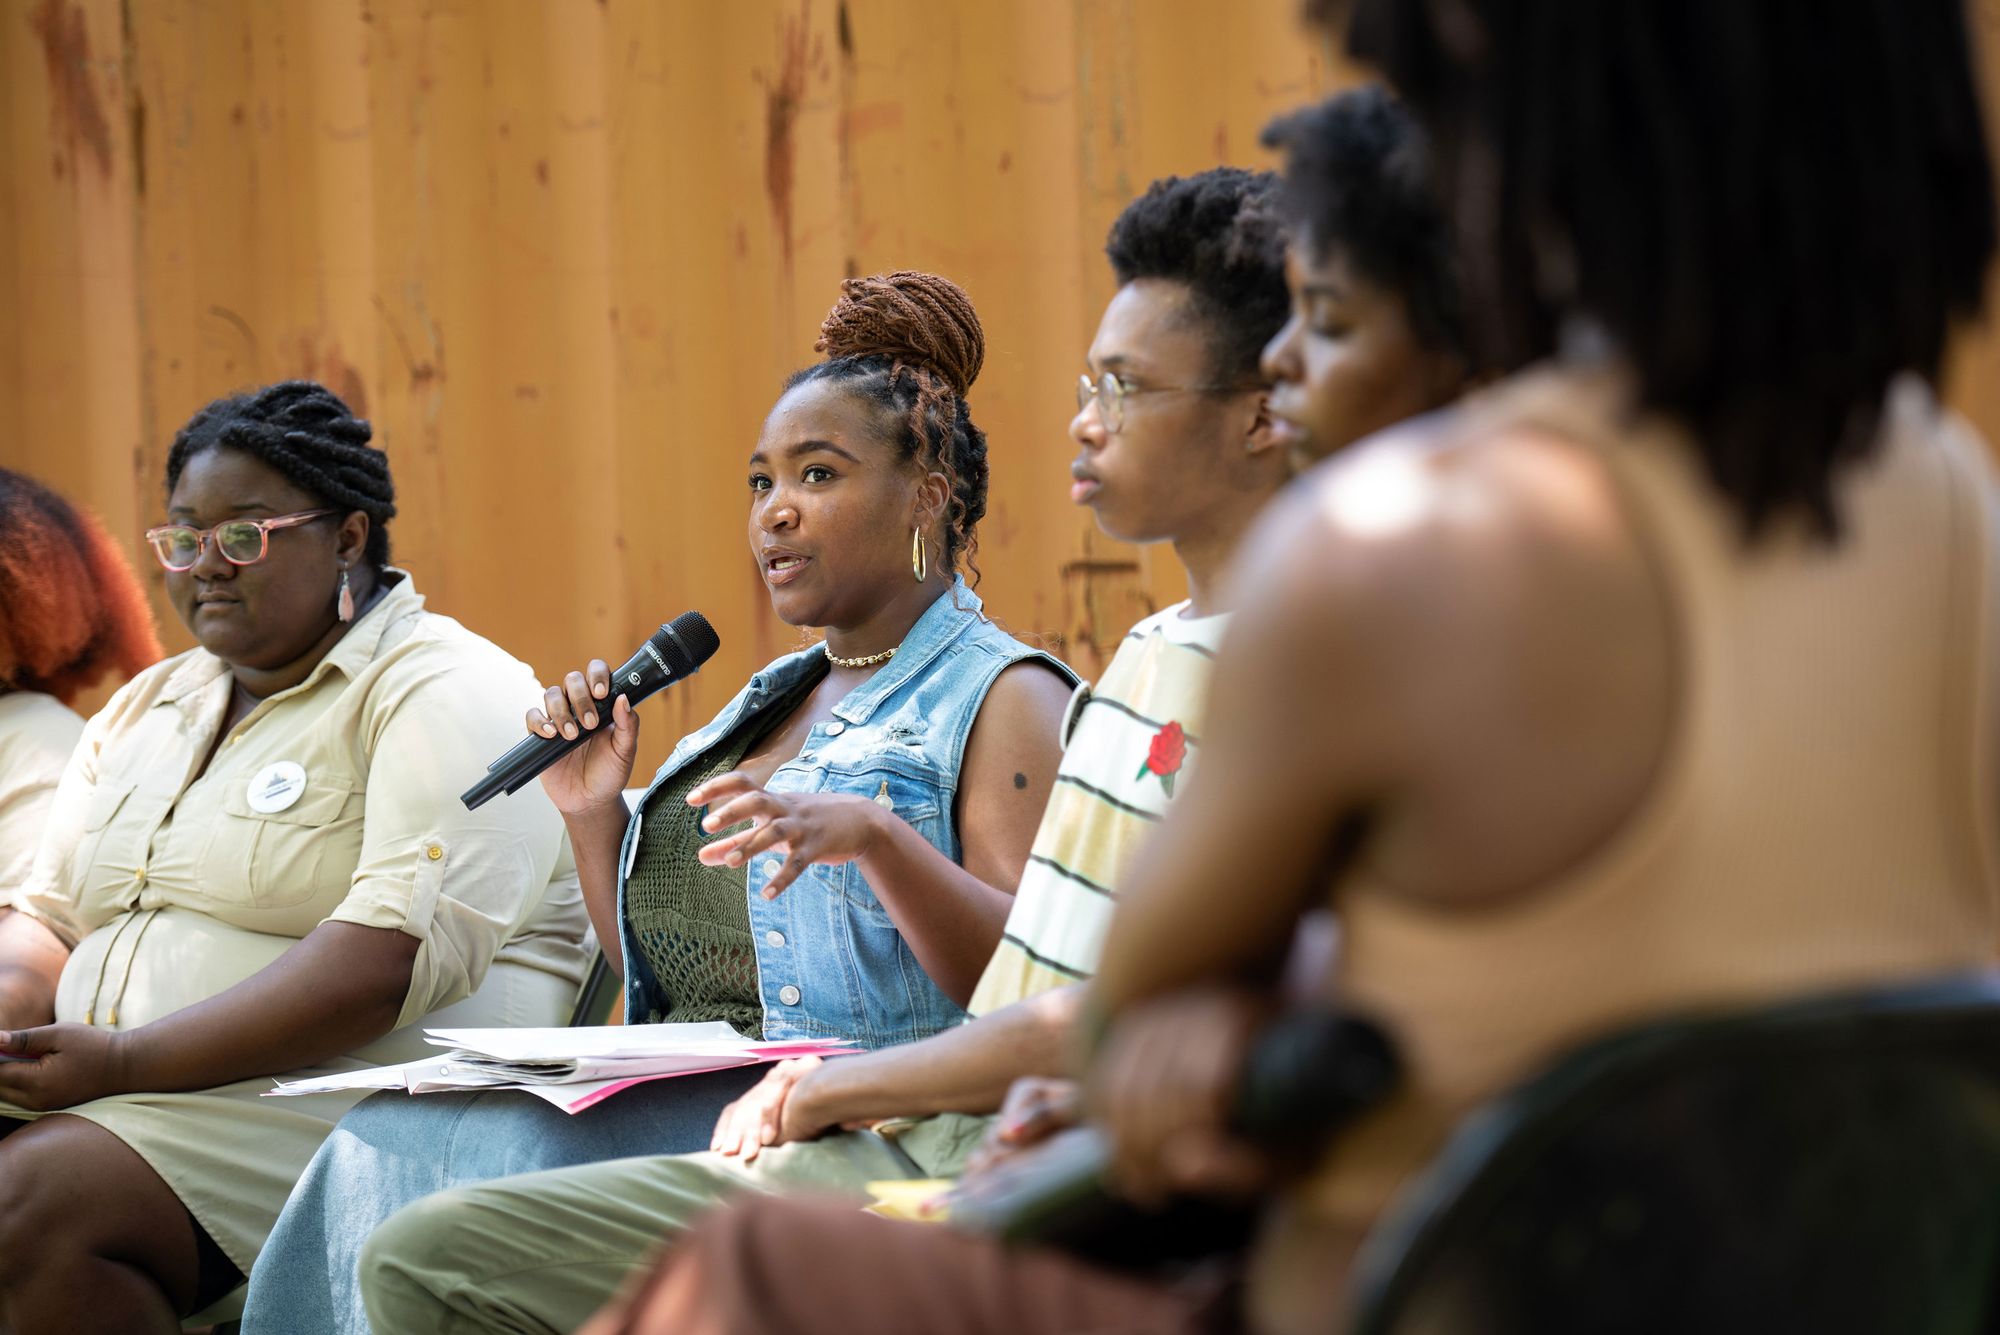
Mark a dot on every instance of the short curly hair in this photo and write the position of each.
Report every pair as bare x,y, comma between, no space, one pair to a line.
1357,184
1219,233
71,609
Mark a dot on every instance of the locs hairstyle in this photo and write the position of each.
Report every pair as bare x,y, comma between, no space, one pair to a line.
70,607
1218,233
911,343
1773,208
1357,184
306,432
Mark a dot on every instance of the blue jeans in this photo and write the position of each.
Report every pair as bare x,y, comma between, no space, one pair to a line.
396,1148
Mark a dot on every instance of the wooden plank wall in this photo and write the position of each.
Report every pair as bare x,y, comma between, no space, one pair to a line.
563,251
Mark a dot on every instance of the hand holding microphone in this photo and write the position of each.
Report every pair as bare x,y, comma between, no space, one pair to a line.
585,735
599,769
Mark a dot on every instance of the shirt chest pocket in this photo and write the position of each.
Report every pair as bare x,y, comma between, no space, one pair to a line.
106,860
916,803
276,859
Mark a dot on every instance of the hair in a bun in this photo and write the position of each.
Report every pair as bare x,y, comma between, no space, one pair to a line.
911,343
917,319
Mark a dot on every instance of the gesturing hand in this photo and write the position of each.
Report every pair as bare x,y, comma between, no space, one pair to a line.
63,1065
596,772
806,827
767,1114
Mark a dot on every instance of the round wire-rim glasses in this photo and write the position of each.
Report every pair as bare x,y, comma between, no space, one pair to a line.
1111,393
242,542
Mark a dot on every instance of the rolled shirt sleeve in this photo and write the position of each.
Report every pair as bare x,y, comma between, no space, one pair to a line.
464,883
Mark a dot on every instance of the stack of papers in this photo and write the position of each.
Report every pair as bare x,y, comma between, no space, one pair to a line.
572,1068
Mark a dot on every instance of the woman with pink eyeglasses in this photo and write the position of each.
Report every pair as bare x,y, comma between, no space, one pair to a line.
230,887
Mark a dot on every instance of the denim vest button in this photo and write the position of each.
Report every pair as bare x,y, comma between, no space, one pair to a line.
769,869
789,995
835,729
774,938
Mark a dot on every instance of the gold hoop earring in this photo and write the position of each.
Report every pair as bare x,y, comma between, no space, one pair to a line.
920,556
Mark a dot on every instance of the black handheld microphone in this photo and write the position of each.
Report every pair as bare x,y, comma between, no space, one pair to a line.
1306,1075
675,650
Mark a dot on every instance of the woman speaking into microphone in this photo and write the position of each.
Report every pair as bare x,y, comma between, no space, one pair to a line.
832,855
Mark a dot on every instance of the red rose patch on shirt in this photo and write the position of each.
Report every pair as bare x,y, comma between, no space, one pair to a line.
1164,756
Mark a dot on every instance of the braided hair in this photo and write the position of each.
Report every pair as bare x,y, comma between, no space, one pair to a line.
306,432
911,343
70,607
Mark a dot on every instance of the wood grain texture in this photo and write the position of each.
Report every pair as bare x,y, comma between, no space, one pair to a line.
562,252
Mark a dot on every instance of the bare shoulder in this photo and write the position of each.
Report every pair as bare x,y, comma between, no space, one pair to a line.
1009,768
1015,747
1028,696
1487,638
1429,534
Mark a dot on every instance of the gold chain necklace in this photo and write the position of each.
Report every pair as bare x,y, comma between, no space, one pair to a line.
869,661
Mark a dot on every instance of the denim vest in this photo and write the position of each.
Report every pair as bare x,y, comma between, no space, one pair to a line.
830,962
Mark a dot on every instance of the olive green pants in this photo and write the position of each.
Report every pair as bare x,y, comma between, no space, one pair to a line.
542,1251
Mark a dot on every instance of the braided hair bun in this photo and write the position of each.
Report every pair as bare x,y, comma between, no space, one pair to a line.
912,318
308,433
911,343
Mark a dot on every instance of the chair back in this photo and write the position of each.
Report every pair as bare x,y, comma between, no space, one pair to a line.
1830,1166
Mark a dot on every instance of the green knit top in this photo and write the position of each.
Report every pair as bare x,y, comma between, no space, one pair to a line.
693,921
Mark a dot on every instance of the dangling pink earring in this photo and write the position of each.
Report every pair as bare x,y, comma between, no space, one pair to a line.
345,608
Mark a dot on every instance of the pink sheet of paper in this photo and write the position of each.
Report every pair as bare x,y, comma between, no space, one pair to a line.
592,1093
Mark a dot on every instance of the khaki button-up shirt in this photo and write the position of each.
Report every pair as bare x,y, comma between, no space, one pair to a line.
334,801
37,734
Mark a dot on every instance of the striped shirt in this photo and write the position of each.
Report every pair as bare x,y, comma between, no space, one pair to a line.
1129,744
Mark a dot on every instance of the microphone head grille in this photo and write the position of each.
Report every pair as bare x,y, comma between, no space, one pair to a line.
687,642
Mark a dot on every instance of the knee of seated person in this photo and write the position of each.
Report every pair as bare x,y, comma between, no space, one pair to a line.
410,1248
34,1209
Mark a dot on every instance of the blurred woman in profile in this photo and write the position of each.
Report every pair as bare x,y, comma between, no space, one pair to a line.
71,611
1662,675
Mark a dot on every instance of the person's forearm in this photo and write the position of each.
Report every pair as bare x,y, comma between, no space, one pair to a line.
340,987
951,919
31,963
595,838
966,1069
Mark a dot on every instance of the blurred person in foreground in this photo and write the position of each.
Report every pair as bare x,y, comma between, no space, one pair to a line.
1664,674
71,610
256,865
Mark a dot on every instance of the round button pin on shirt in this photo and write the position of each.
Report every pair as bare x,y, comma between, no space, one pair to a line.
276,787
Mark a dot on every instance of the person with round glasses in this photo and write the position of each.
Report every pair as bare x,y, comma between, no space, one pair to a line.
256,866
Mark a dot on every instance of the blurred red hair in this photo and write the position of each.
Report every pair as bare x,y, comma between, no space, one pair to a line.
71,608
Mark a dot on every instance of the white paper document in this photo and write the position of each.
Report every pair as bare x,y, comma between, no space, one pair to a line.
571,1068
